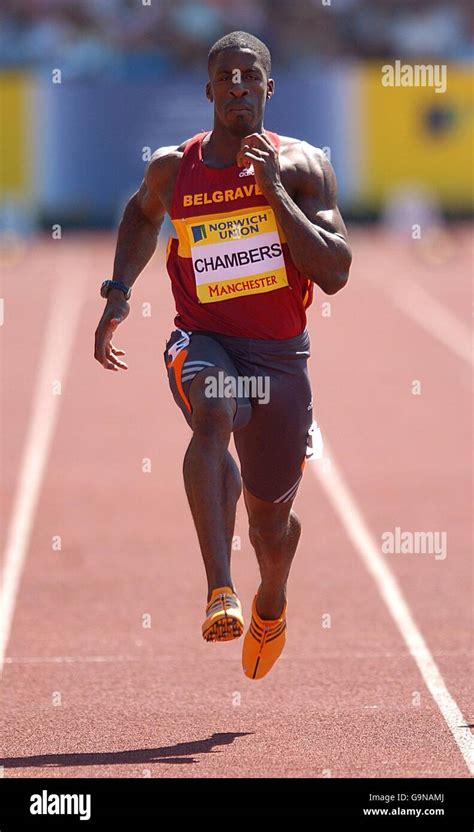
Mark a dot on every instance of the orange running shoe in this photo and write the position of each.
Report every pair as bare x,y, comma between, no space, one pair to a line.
224,619
263,643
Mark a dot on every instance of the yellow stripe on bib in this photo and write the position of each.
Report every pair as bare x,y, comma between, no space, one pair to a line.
214,228
228,289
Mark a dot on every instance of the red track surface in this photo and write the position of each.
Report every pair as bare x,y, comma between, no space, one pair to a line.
159,701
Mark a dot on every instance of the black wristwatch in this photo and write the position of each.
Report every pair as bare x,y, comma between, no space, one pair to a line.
115,284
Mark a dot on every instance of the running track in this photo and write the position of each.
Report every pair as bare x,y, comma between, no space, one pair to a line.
88,690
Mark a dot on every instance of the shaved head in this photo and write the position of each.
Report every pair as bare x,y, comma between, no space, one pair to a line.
242,40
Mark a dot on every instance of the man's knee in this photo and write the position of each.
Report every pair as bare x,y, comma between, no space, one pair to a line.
273,529
211,415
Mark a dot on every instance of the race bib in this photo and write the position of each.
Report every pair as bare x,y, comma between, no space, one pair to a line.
236,255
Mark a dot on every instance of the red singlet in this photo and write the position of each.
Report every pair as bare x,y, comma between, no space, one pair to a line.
231,270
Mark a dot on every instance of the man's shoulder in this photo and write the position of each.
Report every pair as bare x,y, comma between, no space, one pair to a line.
306,168
299,151
165,161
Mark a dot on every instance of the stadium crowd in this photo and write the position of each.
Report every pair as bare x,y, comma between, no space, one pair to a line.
136,38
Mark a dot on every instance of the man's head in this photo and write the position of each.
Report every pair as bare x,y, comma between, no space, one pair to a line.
239,81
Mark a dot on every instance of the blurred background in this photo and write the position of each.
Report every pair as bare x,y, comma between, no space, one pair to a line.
131,77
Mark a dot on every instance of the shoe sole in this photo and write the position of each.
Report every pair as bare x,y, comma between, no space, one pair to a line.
224,629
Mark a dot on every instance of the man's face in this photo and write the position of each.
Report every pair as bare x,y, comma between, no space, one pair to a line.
239,88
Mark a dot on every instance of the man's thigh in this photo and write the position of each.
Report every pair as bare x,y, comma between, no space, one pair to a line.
272,448
188,354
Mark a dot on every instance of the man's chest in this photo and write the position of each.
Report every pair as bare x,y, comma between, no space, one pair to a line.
224,189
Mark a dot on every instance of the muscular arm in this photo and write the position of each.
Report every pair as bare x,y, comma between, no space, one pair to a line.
136,243
140,224
311,222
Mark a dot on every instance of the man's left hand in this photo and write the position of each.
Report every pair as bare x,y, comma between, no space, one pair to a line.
257,150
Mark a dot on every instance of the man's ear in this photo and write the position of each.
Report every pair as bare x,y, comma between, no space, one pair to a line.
270,88
209,95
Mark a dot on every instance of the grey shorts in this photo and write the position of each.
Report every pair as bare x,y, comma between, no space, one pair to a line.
273,423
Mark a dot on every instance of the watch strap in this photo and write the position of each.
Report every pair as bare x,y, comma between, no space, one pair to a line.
107,285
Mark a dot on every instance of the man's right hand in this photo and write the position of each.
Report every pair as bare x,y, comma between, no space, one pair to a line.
116,310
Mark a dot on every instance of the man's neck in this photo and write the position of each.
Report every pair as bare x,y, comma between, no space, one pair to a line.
219,150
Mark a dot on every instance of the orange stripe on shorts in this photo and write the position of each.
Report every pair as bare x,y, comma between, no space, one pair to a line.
177,367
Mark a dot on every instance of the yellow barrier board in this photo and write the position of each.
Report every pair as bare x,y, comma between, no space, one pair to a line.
414,133
14,131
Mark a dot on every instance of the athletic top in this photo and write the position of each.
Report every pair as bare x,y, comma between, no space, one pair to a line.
230,267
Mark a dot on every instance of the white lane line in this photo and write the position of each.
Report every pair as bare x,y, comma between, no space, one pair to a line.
81,659
57,349
157,657
427,312
338,493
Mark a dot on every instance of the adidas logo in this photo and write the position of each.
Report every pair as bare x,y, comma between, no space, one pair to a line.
247,171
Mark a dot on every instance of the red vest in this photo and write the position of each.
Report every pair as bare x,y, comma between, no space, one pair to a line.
231,270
